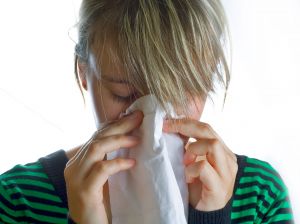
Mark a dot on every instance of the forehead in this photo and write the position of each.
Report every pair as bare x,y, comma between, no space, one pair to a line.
105,60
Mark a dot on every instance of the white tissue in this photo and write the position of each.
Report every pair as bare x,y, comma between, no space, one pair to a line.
154,191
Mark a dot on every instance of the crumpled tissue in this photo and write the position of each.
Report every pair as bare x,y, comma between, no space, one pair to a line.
154,190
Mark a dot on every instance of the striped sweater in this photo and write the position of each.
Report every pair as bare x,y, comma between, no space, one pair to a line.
36,193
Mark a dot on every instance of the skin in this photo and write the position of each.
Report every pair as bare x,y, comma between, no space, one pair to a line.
210,165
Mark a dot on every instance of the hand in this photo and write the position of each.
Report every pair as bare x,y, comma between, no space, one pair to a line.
87,172
211,178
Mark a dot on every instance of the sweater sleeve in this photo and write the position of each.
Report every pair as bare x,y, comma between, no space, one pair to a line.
221,216
280,209
7,208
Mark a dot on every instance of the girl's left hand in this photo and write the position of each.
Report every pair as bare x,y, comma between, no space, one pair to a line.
210,179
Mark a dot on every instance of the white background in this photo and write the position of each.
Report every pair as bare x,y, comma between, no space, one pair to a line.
42,110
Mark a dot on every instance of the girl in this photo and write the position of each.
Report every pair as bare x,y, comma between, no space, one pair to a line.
126,49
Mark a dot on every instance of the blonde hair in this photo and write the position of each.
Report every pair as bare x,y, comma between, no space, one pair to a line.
173,49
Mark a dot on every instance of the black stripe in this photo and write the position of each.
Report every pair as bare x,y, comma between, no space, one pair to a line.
22,219
278,202
27,177
23,207
264,177
246,195
243,219
6,203
18,196
281,211
243,207
260,197
256,206
24,169
269,170
260,186
13,186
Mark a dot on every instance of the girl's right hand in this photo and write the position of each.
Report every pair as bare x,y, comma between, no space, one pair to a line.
87,172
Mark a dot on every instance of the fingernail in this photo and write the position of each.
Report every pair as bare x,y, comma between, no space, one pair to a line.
131,162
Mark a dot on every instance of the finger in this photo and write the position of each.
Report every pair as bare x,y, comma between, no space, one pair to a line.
205,172
122,126
125,125
79,152
214,151
189,158
99,148
102,170
231,155
189,127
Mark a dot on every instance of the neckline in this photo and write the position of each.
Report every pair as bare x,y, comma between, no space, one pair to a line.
55,163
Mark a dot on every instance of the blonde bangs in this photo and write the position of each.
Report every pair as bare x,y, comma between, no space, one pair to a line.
170,48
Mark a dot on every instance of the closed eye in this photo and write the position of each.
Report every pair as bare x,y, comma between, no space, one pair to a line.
124,99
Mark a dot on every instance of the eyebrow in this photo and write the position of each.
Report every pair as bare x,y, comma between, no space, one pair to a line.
111,78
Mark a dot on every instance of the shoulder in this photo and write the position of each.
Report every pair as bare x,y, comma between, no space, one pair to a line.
260,193
28,195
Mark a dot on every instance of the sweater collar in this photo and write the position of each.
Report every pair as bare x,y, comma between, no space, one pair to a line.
54,166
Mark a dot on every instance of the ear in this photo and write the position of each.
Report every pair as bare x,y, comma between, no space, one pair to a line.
82,70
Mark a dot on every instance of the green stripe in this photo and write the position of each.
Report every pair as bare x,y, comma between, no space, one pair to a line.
261,181
46,207
25,173
35,205
4,193
11,212
30,183
284,204
251,169
6,219
243,213
260,163
41,195
242,191
32,204
36,165
246,201
32,215
280,217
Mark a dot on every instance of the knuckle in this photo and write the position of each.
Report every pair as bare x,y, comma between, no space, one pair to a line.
117,138
215,144
95,148
119,162
202,165
68,171
195,125
66,174
206,126
100,167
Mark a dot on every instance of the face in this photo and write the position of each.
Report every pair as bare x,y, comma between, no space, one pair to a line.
112,94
